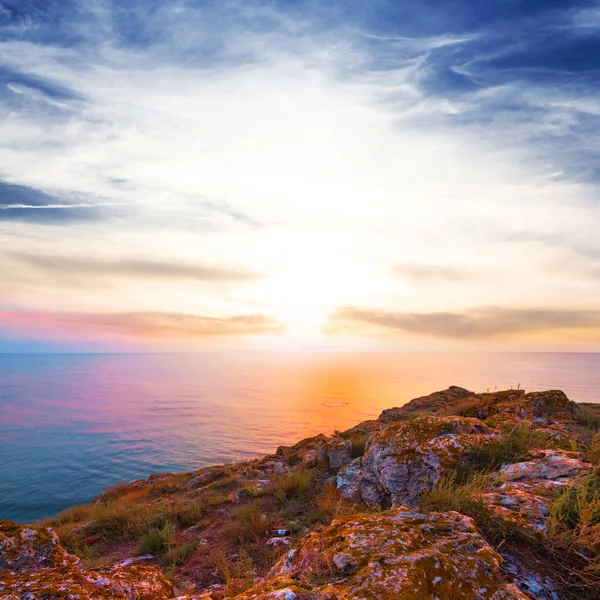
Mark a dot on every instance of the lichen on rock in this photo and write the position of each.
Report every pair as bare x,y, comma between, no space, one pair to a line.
34,566
399,554
408,458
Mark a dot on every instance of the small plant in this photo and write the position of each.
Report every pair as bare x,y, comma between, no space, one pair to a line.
157,541
213,498
237,574
359,442
250,525
178,554
587,418
513,446
296,484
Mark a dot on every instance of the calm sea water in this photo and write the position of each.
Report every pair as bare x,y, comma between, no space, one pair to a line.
71,425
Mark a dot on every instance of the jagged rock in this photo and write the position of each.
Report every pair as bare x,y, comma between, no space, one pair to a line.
407,458
319,450
543,408
559,466
33,566
338,452
547,409
525,496
399,554
438,402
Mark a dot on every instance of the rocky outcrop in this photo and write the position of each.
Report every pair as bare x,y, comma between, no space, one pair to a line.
33,566
332,453
390,552
400,554
527,488
436,403
408,458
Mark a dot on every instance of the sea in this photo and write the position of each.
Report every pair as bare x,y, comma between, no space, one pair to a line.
73,424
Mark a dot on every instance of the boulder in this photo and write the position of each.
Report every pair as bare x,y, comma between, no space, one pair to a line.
408,458
34,566
398,554
527,488
437,403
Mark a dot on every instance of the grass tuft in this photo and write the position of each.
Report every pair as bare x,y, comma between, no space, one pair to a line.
250,525
157,541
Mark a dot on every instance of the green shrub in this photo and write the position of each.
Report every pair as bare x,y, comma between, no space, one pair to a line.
587,418
250,524
178,554
157,541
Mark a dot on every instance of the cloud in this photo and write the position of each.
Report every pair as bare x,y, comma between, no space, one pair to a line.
317,144
420,273
149,324
476,323
24,203
97,268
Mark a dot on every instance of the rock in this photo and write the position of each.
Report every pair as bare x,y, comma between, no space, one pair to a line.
559,466
527,489
206,476
541,408
408,458
134,560
535,585
399,554
278,541
538,409
33,566
156,477
338,452
318,451
438,402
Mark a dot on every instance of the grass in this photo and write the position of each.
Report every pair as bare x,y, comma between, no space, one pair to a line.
237,571
296,484
250,524
157,540
359,442
569,553
514,446
574,521
587,418
177,554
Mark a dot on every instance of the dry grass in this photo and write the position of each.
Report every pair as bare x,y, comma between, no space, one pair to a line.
250,524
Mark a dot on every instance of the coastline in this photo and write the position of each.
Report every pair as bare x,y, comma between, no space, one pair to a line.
453,466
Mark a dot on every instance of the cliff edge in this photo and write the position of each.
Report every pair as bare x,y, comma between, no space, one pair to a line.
455,495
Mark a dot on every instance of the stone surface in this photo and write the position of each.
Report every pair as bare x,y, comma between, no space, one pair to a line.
436,403
399,554
408,458
33,566
526,493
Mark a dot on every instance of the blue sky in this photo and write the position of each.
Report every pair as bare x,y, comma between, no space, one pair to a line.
420,175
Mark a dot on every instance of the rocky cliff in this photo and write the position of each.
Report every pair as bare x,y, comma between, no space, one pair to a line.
455,495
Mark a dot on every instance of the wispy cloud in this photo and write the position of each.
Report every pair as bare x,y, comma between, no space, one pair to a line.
351,152
419,273
148,324
475,323
97,268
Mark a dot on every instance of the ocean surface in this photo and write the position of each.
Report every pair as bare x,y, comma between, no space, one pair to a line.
71,425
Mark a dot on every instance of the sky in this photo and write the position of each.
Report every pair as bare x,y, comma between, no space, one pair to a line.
326,175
